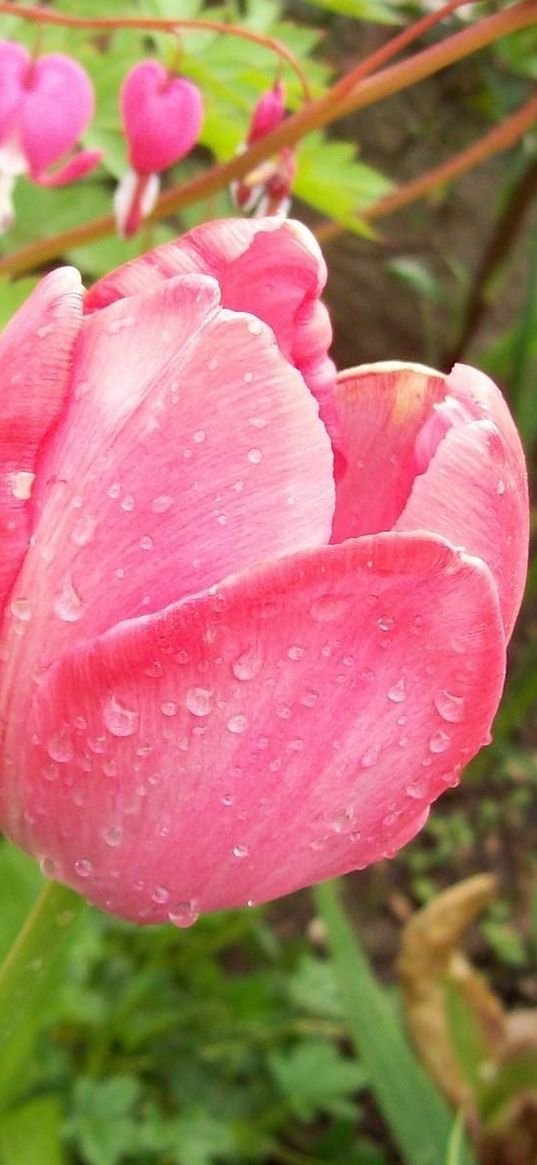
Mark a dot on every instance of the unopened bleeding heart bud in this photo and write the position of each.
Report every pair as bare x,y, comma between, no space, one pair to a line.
268,113
46,103
162,116
267,188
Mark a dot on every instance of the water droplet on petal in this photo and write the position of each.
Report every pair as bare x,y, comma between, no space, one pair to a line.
385,623
240,851
199,436
295,652
162,503
113,835
416,790
83,530
48,867
21,609
59,747
328,607
184,913
309,698
370,757
255,456
127,503
237,724
439,742
67,603
500,487
248,665
398,693
83,868
199,701
168,708
449,707
118,718
160,895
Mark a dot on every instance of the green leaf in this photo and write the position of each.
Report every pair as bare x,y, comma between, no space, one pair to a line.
381,11
314,1077
31,1134
313,988
419,1120
334,181
104,1120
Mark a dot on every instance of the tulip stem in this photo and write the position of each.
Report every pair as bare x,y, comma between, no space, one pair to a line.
25,970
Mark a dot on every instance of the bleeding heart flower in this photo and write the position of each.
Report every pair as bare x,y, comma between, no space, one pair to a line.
227,674
267,189
46,103
162,116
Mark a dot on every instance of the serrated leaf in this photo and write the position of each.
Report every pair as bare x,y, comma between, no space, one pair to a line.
332,179
380,11
314,1077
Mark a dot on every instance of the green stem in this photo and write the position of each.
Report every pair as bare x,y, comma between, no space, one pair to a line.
25,970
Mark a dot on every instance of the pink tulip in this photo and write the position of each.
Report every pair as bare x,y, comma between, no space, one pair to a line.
162,116
45,105
227,674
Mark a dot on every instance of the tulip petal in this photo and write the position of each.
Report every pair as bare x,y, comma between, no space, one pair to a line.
475,490
290,725
381,409
35,365
191,449
271,268
441,453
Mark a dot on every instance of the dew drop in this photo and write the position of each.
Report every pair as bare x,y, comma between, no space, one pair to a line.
309,698
184,913
240,851
146,543
83,868
199,436
227,799
449,707
295,652
417,790
119,719
439,742
248,665
127,503
199,701
59,747
162,503
500,487
168,708
21,609
50,772
48,867
385,623
153,669
114,490
254,456
113,835
83,530
237,724
398,693
67,604
255,327
160,895
370,757
326,608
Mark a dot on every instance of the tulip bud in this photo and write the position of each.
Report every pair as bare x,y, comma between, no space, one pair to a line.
45,105
162,116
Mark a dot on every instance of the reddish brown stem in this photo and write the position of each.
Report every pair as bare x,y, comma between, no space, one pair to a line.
319,113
